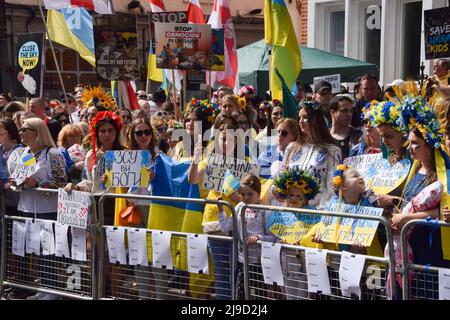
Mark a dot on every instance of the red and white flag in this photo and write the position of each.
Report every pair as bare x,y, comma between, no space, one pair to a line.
195,12
99,6
157,5
221,18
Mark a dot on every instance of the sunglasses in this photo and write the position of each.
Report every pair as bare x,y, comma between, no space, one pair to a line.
283,133
126,117
23,129
162,129
143,97
140,133
161,113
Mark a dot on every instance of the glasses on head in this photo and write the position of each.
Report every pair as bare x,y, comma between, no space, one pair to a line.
161,113
140,133
162,129
24,129
283,133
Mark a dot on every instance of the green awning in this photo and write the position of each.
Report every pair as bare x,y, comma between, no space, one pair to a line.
253,69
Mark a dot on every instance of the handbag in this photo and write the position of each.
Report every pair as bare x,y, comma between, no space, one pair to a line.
129,215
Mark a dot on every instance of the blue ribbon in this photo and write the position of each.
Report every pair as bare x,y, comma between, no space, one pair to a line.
434,225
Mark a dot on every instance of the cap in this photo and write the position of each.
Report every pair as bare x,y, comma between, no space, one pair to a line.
396,82
69,97
322,85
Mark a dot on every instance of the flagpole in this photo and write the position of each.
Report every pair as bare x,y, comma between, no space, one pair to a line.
149,83
177,110
210,86
184,91
52,49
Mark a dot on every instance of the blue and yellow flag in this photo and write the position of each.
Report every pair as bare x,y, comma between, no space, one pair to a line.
73,28
230,184
28,159
280,34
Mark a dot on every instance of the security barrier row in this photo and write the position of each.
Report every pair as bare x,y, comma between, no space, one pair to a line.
95,277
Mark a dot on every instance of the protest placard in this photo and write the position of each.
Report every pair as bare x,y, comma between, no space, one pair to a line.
29,67
362,162
291,227
216,170
183,46
348,230
217,50
21,165
437,33
333,79
73,208
116,48
384,178
127,168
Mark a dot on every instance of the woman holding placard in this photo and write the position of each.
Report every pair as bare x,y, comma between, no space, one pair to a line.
315,151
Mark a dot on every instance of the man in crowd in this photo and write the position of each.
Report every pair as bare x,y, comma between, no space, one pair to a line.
323,95
369,90
37,107
440,80
70,107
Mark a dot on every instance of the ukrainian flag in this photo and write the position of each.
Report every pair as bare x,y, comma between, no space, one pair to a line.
230,184
73,28
280,34
28,159
171,180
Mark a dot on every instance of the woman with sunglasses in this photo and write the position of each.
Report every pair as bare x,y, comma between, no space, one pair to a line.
159,121
274,112
62,117
315,151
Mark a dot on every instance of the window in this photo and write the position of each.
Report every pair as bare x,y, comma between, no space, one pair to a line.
412,22
337,32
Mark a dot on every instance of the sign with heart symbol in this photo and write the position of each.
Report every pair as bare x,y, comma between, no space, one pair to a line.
291,227
384,178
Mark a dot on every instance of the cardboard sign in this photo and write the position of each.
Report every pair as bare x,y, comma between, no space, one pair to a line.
183,46
216,170
73,208
21,165
127,168
384,178
29,66
169,17
291,227
116,48
334,80
437,33
348,231
363,162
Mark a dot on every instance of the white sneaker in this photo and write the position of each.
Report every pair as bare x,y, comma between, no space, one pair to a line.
43,296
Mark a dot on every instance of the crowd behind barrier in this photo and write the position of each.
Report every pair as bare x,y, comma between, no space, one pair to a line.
98,278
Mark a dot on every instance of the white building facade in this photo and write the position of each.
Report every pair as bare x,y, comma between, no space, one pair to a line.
389,33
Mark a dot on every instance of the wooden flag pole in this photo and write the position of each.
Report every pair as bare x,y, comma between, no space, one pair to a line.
177,110
184,91
52,49
210,86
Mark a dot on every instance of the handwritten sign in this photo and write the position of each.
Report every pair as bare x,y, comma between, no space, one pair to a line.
73,208
348,231
363,162
216,170
127,168
384,178
333,79
21,165
291,227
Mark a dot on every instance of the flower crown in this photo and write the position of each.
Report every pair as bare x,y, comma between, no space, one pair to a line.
309,104
246,90
368,108
97,97
242,103
210,109
385,112
338,174
291,178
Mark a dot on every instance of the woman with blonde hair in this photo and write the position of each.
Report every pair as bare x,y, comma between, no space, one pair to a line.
69,142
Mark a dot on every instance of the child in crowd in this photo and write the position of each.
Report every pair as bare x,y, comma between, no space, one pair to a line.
256,229
295,188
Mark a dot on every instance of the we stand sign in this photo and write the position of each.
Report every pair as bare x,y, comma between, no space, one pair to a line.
127,168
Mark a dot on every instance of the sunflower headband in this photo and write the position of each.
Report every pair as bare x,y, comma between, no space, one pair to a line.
385,112
210,109
291,178
311,104
97,97
338,175
242,103
368,108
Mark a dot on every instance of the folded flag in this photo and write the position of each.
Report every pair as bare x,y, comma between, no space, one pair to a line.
28,159
230,184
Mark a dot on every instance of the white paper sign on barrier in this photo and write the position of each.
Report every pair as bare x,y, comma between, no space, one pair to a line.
78,244
33,238
18,238
115,238
61,241
271,264
73,208
162,256
316,270
47,238
444,284
350,271
197,250
137,247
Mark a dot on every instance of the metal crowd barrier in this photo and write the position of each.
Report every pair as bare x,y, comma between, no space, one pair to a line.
373,284
419,282
61,276
118,281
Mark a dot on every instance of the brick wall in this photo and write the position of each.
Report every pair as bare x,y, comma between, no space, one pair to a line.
304,22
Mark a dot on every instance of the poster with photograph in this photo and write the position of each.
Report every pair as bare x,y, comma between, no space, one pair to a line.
29,64
183,46
116,49
437,33
217,50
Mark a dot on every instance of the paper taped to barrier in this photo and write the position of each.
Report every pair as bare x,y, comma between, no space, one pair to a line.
444,284
197,249
350,271
47,238
18,238
271,264
116,245
78,244
161,255
61,241
316,270
33,238
137,247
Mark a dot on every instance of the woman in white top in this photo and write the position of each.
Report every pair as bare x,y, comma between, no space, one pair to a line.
315,152
50,171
